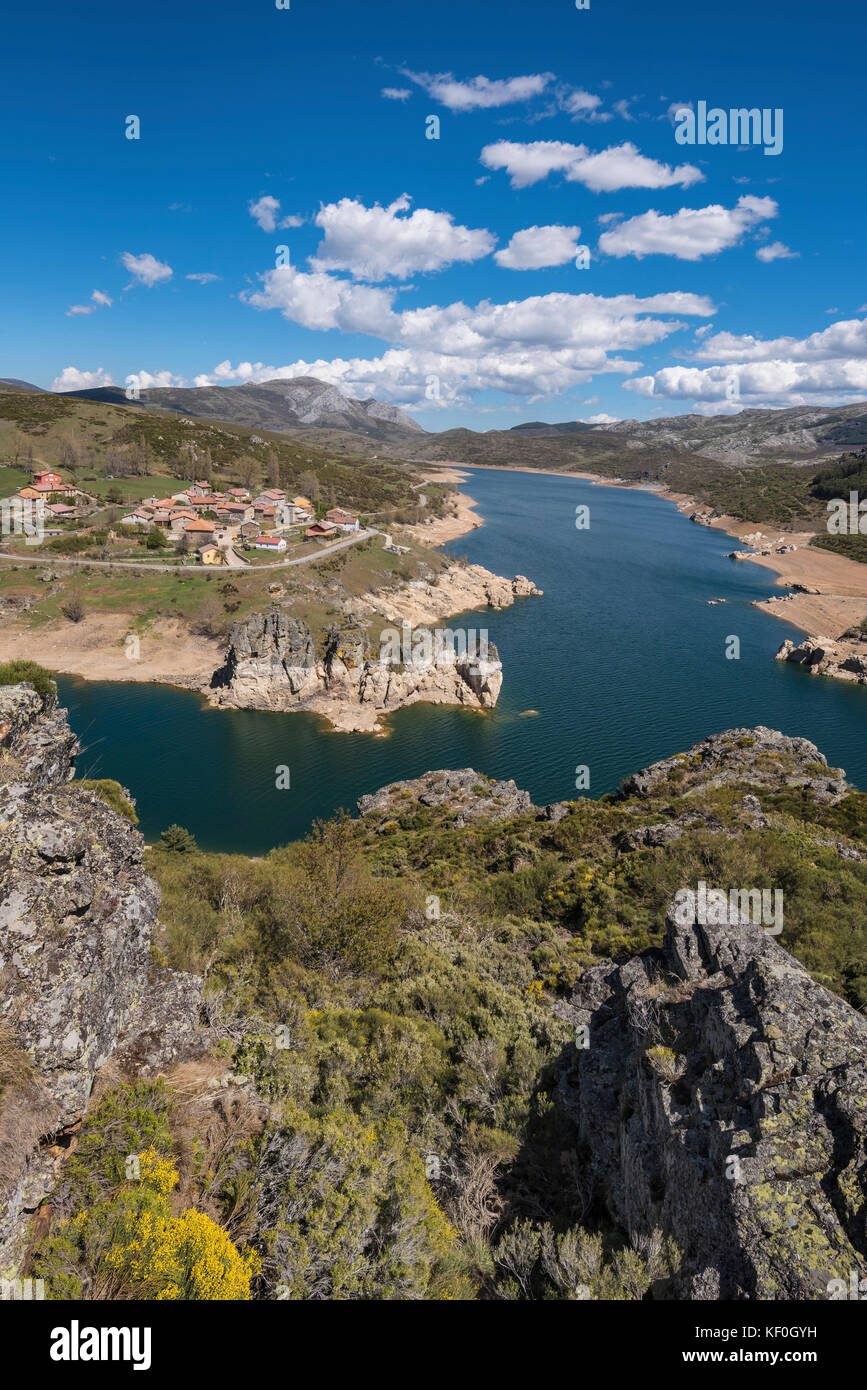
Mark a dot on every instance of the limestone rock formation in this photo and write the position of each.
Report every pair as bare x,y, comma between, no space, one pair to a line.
271,664
722,1098
823,656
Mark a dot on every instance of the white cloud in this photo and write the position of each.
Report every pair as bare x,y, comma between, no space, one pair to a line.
396,93
830,366
670,112
99,301
619,166
378,242
581,105
847,338
688,234
204,277
532,348
776,251
71,379
146,268
602,419
537,247
479,92
774,383
322,301
147,380
265,211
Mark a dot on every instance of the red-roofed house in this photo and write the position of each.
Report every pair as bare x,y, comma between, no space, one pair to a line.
344,520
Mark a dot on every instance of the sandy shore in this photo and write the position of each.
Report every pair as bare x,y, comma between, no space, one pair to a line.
96,649
458,522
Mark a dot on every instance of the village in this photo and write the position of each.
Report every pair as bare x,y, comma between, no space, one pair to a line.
217,528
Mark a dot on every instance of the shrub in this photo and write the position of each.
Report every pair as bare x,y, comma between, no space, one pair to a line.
111,793
73,608
15,672
178,840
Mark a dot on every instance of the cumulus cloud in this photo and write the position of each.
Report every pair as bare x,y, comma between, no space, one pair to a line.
774,383
830,366
266,212
537,247
602,419
690,233
322,301
204,277
147,380
619,166
396,93
98,301
71,379
847,338
776,251
146,268
379,242
479,93
532,348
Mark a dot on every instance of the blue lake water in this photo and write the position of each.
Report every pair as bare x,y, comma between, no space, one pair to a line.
623,659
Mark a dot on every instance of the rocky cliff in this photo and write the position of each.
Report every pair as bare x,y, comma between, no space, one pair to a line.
715,1091
825,656
720,1094
77,988
271,662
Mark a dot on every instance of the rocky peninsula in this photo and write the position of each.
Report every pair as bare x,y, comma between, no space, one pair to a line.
272,662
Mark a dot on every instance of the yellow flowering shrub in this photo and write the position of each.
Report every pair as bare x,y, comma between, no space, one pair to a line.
129,1244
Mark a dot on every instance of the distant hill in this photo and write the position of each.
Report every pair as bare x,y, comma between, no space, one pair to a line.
21,385
285,406
639,448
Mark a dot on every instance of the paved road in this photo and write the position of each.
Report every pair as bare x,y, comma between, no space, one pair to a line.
49,560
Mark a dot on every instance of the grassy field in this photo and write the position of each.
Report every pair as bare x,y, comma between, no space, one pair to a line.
208,600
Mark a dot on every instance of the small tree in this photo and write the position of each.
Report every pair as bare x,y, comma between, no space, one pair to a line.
73,608
179,840
155,540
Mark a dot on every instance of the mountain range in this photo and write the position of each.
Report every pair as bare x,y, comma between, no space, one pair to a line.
299,404
304,405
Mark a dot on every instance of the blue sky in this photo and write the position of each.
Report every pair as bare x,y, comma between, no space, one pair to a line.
438,274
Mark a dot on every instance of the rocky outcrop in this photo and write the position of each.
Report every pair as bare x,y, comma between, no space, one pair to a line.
719,1094
823,656
760,756
456,589
77,915
271,664
460,796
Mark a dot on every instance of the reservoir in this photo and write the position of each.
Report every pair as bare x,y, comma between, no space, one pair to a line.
622,662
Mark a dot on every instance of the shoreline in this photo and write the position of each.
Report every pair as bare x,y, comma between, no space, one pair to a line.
837,597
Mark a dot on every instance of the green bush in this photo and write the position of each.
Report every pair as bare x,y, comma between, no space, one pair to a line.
15,672
111,793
